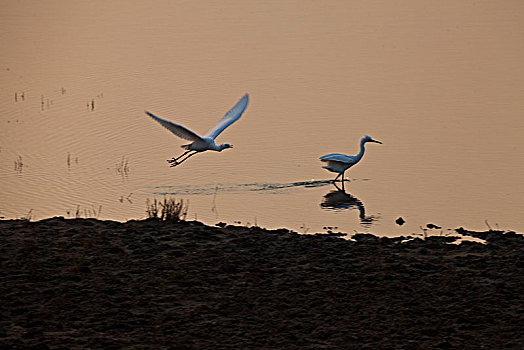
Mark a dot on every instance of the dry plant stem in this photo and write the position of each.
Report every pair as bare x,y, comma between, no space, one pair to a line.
168,210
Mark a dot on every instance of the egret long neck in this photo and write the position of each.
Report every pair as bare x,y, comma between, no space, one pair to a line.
362,150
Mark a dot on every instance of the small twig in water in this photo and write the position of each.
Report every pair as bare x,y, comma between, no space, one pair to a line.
28,216
304,228
19,165
214,208
128,198
122,168
424,232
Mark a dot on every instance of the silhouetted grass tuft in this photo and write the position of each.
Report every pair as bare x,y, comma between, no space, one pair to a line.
152,209
168,210
85,212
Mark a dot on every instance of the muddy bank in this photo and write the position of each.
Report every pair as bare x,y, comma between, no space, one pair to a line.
85,283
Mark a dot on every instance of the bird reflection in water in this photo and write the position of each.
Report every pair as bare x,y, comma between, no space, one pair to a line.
341,200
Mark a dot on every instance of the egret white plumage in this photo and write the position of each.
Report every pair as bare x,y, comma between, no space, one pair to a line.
206,142
339,163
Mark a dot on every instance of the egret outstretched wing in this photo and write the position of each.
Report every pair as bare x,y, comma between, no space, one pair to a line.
229,118
176,129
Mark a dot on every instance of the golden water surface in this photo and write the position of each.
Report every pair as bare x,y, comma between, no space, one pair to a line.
440,83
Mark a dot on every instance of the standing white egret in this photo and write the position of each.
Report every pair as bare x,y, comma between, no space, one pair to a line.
339,163
206,142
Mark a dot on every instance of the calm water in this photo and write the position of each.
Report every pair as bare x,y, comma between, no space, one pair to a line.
440,84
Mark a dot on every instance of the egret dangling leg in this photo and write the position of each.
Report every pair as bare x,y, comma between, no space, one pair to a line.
174,162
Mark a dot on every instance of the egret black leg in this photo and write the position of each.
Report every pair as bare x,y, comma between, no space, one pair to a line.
338,188
175,160
178,162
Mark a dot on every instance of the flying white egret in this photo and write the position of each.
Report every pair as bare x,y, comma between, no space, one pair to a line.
339,163
206,142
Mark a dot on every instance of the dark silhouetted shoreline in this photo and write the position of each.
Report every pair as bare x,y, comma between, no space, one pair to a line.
86,283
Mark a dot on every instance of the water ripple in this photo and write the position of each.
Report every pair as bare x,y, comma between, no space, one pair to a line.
210,189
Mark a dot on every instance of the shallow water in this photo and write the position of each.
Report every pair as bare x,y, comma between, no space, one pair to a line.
440,85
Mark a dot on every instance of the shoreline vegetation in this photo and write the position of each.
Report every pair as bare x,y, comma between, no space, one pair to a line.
89,283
